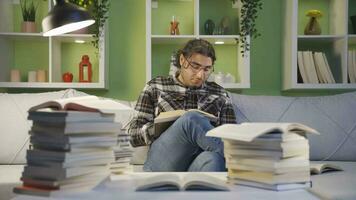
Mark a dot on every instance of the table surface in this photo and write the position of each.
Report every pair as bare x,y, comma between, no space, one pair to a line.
122,187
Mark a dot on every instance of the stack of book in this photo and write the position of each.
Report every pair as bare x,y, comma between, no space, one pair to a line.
313,67
70,150
266,155
123,154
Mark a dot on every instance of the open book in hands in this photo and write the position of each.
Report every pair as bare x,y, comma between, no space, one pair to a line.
165,119
186,181
85,103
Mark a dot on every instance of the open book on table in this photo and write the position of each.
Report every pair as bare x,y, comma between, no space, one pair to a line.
188,181
85,103
249,131
165,119
319,168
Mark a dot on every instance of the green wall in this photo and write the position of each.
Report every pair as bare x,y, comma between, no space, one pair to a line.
127,53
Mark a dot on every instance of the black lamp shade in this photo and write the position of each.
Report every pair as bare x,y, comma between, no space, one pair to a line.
65,17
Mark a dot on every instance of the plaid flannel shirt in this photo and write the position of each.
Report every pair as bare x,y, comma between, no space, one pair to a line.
167,93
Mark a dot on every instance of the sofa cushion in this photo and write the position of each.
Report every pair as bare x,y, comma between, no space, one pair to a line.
333,116
14,124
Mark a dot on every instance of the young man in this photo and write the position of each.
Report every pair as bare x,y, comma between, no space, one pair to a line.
184,146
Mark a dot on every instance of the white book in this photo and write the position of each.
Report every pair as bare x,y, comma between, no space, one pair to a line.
311,69
275,187
190,181
267,162
331,76
165,119
350,67
270,177
76,127
268,143
72,188
249,131
327,75
320,67
86,103
279,170
303,151
354,63
302,68
60,116
319,168
52,173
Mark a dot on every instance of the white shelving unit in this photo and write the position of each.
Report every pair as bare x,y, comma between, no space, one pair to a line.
10,39
334,41
153,40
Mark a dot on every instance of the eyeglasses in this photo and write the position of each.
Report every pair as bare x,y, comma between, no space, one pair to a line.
196,67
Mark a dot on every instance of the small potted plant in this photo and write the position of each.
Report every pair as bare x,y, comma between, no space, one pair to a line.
28,10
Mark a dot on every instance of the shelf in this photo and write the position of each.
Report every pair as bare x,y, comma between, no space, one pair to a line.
70,38
181,39
23,36
235,85
219,12
352,39
50,85
165,10
331,23
56,55
192,16
322,37
325,86
333,43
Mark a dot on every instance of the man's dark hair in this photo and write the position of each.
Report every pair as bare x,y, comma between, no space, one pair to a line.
199,46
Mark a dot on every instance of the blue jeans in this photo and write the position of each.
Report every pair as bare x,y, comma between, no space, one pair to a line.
184,147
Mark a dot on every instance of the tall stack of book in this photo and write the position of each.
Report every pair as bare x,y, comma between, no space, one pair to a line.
123,154
266,155
70,151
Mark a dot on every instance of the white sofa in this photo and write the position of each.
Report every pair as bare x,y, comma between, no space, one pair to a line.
333,116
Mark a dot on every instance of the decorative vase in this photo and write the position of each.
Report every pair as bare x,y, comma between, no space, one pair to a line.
28,27
174,29
353,22
313,27
209,27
